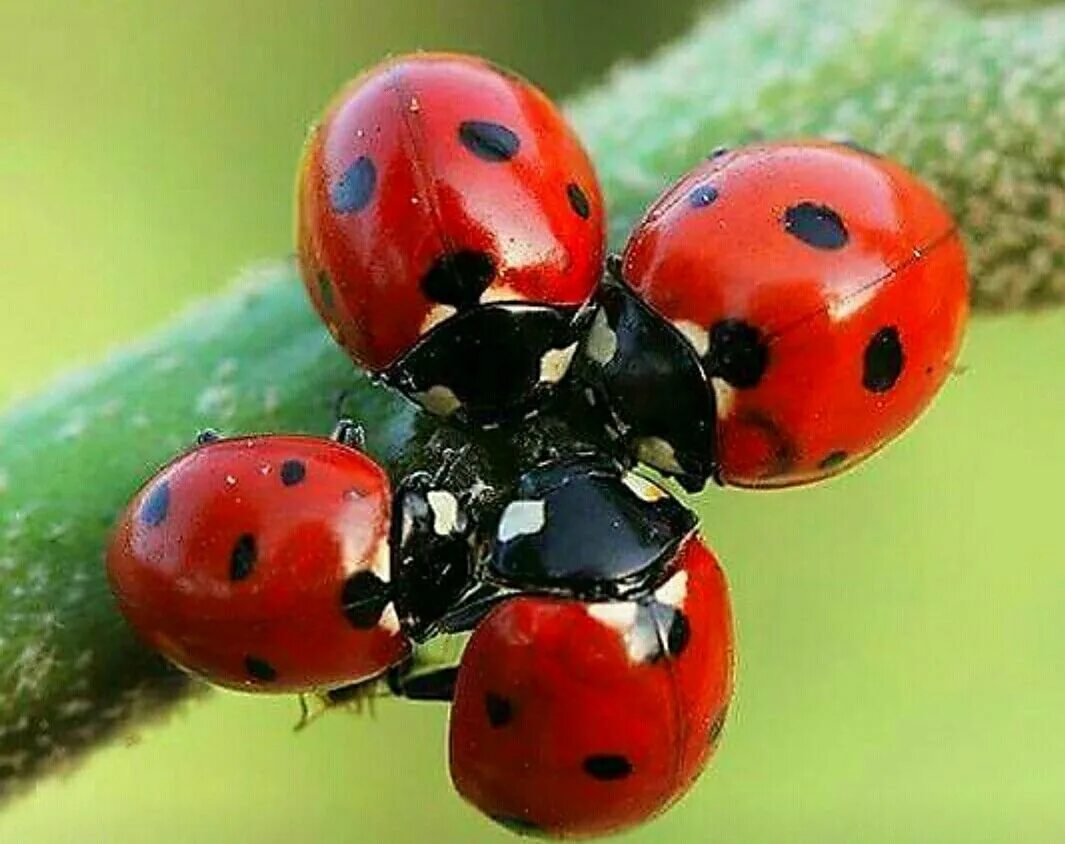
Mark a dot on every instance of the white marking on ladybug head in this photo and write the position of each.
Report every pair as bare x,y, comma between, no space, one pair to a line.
521,518
555,363
439,400
725,395
673,592
619,616
437,315
445,509
501,293
602,342
631,623
389,620
695,334
656,452
643,488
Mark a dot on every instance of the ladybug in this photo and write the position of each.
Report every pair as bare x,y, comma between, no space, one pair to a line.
451,233
781,313
595,683
268,563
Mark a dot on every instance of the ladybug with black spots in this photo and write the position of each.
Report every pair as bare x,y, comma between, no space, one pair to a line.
273,563
597,679
451,233
780,314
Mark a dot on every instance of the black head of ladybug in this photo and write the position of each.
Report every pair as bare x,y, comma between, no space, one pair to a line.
649,387
493,362
578,528
432,542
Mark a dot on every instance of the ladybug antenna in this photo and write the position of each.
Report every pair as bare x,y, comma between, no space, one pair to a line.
207,436
350,433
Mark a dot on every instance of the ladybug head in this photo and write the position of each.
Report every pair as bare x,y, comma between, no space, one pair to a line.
584,528
491,362
432,541
578,528
647,382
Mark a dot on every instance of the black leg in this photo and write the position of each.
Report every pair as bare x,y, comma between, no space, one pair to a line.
350,434
207,435
436,685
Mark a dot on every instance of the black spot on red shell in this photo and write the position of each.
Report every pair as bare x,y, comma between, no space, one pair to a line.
363,599
702,196
816,225
243,557
738,353
155,507
578,201
354,189
500,710
293,472
260,669
607,767
489,141
883,360
459,278
679,634
832,460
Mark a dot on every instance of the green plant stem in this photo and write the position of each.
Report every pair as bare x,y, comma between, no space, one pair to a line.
973,104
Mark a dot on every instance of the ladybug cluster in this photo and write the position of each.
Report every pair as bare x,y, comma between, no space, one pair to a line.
778,315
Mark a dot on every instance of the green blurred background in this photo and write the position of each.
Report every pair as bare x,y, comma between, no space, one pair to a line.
900,636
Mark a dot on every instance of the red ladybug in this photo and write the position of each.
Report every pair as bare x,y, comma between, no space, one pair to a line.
577,718
797,305
268,563
450,230
596,680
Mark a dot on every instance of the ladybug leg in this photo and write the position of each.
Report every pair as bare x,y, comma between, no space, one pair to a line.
452,458
354,696
207,436
349,433
306,715
436,685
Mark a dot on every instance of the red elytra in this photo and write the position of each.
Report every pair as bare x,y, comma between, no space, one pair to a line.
825,289
436,182
262,564
575,718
